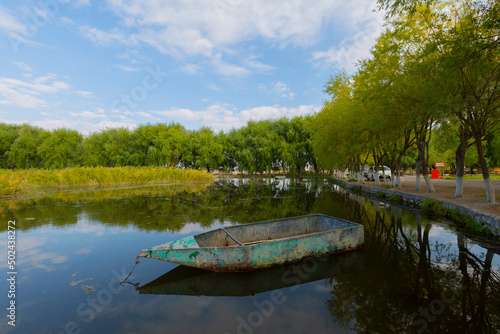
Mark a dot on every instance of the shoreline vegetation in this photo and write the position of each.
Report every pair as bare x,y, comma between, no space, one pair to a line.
465,220
29,181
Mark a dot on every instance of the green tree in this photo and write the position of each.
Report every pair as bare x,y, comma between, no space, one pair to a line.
24,150
8,134
61,148
112,147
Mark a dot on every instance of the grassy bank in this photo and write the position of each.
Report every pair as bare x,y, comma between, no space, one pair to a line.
431,206
472,177
16,182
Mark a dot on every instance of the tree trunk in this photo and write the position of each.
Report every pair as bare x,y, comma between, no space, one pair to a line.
398,171
460,157
392,177
417,171
375,174
490,191
423,158
428,183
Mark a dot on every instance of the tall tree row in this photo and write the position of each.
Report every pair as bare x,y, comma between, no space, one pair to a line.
435,69
259,147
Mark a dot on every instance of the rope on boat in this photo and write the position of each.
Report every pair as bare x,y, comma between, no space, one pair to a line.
125,280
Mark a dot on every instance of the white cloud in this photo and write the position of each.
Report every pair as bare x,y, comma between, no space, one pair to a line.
87,114
282,89
79,3
216,116
226,69
10,23
22,66
186,114
225,117
190,69
25,94
51,124
145,115
353,48
90,127
66,20
128,68
278,88
85,93
213,86
222,23
216,28
257,65
103,37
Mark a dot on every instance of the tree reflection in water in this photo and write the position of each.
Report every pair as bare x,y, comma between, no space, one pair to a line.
410,284
416,277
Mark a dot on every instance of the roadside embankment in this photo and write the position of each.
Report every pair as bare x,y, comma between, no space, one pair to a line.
467,210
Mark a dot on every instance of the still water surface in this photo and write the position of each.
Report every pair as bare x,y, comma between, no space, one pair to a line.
415,274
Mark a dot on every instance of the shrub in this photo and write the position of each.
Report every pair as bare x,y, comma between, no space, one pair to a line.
395,199
431,206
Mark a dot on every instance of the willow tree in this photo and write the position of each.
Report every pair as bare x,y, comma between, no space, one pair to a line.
23,152
379,88
462,46
61,148
8,134
341,135
472,66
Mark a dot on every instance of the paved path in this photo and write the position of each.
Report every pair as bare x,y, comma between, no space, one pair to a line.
474,193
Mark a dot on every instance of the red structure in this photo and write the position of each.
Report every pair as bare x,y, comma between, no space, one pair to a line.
435,174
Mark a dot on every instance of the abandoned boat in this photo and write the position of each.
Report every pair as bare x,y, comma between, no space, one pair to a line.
261,245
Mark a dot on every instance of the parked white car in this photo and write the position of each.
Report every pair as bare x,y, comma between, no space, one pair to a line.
371,174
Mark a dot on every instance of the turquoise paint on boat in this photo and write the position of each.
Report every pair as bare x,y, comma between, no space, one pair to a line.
265,244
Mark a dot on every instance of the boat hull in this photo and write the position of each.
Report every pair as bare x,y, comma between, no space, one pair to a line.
233,257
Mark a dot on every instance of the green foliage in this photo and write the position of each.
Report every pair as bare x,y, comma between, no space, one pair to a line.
61,148
381,195
428,93
262,146
431,206
23,152
112,147
493,148
8,134
395,199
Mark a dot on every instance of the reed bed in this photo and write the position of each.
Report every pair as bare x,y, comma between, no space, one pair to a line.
15,182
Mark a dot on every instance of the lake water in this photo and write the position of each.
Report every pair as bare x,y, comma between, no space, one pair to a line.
415,274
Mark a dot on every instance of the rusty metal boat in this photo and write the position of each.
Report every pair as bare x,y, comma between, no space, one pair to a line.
261,245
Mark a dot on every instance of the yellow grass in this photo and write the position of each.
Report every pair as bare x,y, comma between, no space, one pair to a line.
15,182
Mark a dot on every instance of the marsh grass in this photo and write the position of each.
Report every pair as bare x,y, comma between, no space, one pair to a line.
16,182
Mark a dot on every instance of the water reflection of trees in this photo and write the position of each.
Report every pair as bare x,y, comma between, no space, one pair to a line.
410,284
171,208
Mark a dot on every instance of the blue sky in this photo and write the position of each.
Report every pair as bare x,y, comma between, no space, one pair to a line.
90,65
